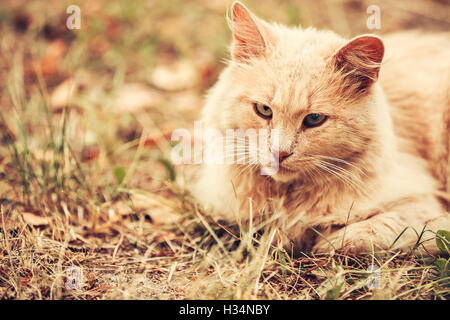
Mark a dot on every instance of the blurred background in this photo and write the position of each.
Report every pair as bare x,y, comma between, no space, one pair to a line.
86,117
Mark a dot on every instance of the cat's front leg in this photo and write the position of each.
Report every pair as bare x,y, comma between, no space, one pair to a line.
359,237
382,231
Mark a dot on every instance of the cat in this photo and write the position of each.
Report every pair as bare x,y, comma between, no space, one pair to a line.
363,146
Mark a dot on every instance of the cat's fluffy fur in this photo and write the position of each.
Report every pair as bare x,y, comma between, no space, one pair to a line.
385,140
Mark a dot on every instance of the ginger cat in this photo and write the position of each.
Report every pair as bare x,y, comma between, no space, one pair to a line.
364,137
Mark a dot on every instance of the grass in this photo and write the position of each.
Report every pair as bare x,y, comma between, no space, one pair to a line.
91,207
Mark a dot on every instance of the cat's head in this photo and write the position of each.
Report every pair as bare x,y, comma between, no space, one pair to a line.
315,87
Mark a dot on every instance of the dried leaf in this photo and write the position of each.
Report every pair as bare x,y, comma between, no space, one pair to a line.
35,220
66,92
159,213
176,76
49,65
187,101
90,153
133,97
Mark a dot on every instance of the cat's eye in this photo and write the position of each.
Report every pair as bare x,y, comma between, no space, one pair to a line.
263,111
314,120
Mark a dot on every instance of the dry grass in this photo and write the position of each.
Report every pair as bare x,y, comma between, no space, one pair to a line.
85,123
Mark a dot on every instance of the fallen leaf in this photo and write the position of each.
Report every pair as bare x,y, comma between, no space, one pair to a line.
90,153
188,102
65,92
175,76
158,212
122,208
50,63
134,97
35,220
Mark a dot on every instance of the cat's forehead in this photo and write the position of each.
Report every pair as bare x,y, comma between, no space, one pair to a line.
298,66
302,50
288,78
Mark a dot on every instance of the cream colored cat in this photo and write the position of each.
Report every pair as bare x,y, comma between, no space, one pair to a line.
364,151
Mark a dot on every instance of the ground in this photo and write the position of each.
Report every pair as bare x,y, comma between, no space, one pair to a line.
91,206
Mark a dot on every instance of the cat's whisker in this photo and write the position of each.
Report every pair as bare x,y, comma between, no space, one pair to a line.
353,177
342,170
344,162
339,177
246,167
344,174
320,173
356,185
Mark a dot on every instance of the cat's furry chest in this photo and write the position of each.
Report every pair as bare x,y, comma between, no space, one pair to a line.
315,201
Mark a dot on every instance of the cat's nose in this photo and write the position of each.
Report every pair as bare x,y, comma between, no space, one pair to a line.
283,155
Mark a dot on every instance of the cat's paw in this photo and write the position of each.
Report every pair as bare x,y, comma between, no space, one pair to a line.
354,239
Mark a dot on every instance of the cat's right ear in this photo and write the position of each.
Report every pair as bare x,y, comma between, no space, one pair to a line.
248,40
360,61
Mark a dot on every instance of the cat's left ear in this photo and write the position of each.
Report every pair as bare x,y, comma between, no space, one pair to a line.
249,34
360,60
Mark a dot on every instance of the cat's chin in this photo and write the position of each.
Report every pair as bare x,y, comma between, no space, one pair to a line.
284,175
